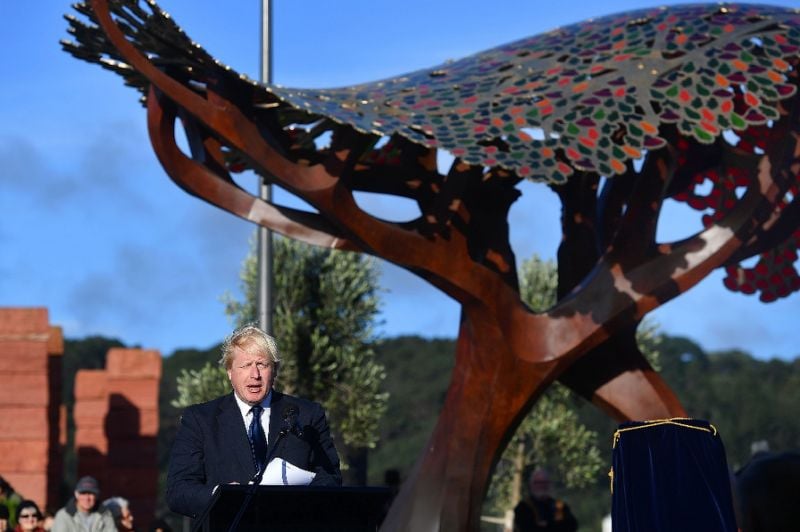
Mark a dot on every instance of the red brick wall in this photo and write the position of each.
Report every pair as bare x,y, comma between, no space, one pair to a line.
116,421
116,416
30,397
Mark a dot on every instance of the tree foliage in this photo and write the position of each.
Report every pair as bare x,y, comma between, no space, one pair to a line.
201,385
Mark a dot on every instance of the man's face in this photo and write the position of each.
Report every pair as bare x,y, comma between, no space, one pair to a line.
252,374
540,485
85,500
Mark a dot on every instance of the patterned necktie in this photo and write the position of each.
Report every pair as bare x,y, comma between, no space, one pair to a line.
258,442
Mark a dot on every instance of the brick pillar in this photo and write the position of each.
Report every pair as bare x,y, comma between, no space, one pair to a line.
116,425
30,365
132,428
89,413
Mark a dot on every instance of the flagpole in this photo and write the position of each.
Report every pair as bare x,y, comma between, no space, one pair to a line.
265,248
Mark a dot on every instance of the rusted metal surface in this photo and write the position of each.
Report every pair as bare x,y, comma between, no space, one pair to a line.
573,108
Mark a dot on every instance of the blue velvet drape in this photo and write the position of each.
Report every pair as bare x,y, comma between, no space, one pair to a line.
670,476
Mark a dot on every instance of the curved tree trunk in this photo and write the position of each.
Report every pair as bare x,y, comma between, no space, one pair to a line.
490,393
489,388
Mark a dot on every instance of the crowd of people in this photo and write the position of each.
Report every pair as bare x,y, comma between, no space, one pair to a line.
84,512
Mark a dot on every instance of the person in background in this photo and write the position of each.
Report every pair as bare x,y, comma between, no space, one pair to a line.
28,517
3,518
81,513
47,520
160,525
121,511
539,511
9,499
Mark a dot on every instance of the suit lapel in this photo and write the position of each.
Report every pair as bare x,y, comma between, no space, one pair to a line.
276,404
233,438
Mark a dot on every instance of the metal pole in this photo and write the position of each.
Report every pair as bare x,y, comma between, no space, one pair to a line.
265,275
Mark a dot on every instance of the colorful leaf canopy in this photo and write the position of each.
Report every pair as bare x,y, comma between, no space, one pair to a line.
590,96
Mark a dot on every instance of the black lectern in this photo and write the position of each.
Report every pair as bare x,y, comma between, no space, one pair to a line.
295,509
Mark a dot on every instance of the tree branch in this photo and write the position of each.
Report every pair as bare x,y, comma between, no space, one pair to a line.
579,248
616,295
636,233
205,181
782,226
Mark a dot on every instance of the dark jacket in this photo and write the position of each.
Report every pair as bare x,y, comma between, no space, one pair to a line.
211,448
543,515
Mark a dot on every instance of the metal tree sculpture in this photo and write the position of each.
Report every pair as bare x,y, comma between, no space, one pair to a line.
616,115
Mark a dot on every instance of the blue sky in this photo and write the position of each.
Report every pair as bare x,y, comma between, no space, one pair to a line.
93,229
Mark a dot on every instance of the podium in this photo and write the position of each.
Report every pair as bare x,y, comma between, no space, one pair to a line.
670,474
295,508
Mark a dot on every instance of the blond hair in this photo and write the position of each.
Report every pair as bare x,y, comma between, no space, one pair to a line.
246,336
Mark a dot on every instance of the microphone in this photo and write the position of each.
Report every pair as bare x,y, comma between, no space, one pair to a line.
289,424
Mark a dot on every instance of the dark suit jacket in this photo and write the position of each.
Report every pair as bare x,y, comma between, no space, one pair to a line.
212,448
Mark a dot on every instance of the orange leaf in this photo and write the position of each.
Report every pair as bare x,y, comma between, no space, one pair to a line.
751,99
648,127
633,152
780,64
580,87
617,165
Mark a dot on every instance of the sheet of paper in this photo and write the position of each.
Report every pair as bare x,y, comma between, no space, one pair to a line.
279,472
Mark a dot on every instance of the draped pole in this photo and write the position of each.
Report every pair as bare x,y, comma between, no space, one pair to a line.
265,255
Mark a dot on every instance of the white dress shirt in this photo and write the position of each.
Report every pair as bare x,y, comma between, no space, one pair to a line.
247,414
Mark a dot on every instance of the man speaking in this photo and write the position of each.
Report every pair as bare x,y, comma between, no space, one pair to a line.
231,439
